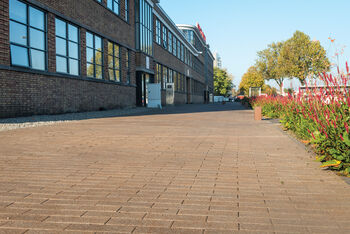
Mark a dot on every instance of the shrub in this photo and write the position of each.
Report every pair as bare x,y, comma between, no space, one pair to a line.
319,115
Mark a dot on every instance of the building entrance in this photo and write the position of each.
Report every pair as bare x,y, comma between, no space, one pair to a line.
142,81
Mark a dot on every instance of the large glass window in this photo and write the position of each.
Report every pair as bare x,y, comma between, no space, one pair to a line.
182,53
128,75
174,46
114,62
165,37
113,5
27,36
144,27
170,42
127,10
94,56
158,77
67,48
170,76
158,32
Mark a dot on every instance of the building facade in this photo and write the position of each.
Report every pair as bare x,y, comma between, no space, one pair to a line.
84,55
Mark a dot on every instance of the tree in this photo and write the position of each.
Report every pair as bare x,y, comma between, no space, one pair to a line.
268,63
222,82
302,58
271,91
252,78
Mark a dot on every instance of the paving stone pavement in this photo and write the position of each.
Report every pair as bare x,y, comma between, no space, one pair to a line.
190,169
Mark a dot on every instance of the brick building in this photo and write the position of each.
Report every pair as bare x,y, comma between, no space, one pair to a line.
83,55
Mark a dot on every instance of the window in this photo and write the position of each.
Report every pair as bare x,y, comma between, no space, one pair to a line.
99,1
94,56
67,48
27,36
178,49
113,5
114,62
170,42
182,52
165,76
174,46
165,37
158,32
175,81
127,10
158,77
170,76
128,66
144,27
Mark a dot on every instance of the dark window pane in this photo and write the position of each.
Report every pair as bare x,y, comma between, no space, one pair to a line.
37,39
61,64
60,28
61,46
116,63
111,74
73,67
90,70
110,61
98,57
72,33
36,18
19,56
73,50
117,75
90,55
109,4
98,72
18,11
98,43
110,48
89,40
18,33
38,59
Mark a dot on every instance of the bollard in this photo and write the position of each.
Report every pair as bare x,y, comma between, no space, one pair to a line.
257,113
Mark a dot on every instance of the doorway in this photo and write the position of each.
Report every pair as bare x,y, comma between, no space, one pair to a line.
142,81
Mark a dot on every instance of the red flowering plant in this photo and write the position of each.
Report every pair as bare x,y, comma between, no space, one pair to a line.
319,115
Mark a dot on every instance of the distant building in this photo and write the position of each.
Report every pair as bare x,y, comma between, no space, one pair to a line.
217,61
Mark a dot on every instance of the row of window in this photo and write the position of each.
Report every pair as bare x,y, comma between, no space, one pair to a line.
144,26
165,75
169,41
114,5
28,42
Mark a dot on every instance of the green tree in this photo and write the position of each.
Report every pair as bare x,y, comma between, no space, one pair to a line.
302,58
269,90
268,63
222,82
252,78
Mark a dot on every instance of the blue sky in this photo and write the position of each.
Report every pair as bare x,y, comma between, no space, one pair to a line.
237,29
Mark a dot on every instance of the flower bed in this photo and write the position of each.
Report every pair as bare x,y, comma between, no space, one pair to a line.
318,115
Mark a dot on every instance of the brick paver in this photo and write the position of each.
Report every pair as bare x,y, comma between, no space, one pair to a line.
190,169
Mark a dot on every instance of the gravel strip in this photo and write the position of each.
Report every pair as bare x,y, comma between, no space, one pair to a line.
41,120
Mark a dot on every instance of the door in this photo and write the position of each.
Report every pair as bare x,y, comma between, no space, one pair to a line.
142,81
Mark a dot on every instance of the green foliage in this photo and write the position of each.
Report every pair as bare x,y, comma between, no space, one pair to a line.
252,78
268,63
302,58
222,82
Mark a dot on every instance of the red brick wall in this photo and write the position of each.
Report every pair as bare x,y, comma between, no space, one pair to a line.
29,94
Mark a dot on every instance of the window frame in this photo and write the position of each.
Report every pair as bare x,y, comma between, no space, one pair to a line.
67,47
112,9
115,78
94,56
28,46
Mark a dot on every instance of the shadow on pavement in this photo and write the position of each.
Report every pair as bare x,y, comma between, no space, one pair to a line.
181,109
